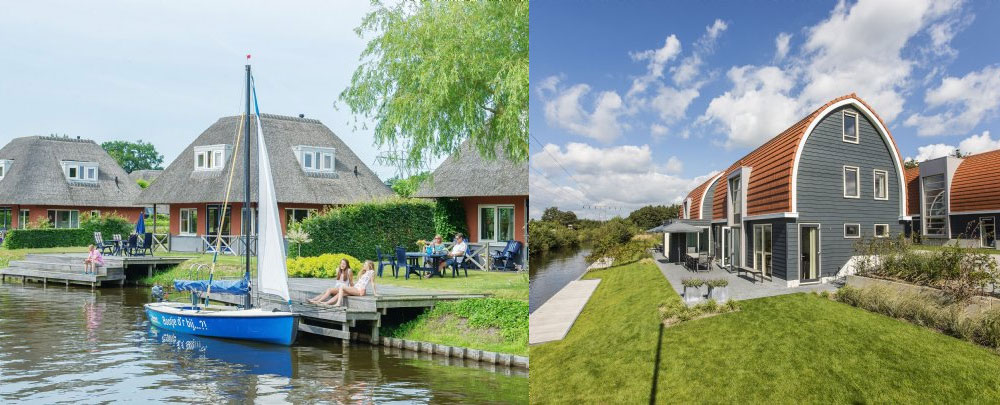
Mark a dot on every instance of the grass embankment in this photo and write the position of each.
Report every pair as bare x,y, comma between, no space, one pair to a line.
493,324
791,348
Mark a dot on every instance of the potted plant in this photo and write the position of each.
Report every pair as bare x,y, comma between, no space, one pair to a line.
718,290
421,244
695,283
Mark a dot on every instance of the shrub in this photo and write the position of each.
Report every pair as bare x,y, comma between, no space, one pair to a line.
107,225
358,228
717,283
47,237
692,282
449,218
322,266
546,235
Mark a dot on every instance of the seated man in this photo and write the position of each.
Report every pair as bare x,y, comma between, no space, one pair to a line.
457,250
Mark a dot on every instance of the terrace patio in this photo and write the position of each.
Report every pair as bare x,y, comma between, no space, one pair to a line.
741,287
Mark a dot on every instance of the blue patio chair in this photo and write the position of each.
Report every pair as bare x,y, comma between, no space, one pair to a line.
403,264
118,246
465,261
500,254
133,245
385,261
506,260
147,245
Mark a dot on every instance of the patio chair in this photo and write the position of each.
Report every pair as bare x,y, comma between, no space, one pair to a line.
505,261
147,245
386,261
133,244
101,246
704,262
403,264
463,262
118,244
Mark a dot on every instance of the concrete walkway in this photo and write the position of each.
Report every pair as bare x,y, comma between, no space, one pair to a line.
740,287
556,316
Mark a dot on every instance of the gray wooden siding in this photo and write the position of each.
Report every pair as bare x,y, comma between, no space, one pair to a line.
783,243
821,192
706,203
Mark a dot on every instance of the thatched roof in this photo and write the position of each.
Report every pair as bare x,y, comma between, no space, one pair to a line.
148,175
352,182
35,176
467,174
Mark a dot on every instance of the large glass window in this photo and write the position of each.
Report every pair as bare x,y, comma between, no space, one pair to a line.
762,248
64,218
23,217
487,223
935,205
297,214
736,198
852,187
881,185
496,222
6,218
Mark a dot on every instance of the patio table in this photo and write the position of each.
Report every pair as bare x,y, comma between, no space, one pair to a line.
434,258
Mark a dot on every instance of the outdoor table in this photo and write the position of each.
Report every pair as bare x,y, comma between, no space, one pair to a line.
434,258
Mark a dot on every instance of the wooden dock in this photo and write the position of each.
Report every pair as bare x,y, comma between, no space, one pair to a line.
556,316
68,268
361,317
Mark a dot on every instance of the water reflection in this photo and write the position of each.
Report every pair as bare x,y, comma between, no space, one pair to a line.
76,345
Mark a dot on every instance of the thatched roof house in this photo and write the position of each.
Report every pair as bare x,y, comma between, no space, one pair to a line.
57,178
313,168
494,193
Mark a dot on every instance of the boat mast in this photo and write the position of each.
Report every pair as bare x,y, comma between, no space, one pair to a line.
246,190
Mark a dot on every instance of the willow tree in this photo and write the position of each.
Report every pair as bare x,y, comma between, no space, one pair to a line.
434,74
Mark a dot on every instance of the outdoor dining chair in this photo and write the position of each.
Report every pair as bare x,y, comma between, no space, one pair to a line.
147,245
384,261
133,245
101,246
506,259
403,264
117,238
704,262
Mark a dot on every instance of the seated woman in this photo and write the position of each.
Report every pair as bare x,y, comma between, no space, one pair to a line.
365,278
436,245
345,278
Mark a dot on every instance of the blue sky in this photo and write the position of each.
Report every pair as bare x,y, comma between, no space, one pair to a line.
637,103
163,71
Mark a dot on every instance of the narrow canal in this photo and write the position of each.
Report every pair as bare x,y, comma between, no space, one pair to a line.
551,272
70,345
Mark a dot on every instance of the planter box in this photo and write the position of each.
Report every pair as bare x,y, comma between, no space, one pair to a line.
719,294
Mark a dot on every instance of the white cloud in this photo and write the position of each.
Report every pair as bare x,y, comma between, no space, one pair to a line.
658,130
658,59
671,104
624,178
973,144
690,66
781,45
565,110
548,85
859,49
757,108
967,100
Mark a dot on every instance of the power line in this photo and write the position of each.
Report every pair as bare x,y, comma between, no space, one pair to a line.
555,160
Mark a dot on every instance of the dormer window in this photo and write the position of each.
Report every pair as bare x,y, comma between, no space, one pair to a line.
211,157
80,171
315,158
4,168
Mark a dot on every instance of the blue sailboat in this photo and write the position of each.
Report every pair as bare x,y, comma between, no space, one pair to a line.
244,322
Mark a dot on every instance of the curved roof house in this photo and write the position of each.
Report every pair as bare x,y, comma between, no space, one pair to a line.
494,193
792,208
313,169
699,202
958,197
57,178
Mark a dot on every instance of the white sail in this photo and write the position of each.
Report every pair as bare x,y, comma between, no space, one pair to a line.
270,242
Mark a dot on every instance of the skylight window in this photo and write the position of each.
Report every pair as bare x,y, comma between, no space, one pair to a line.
316,159
80,171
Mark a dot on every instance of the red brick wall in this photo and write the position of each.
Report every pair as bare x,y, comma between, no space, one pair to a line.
37,212
235,216
471,205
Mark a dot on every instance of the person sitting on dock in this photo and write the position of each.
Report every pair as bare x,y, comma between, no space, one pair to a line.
345,278
94,260
457,250
365,277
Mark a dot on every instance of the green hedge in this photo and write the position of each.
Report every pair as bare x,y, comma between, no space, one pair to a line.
83,236
322,266
449,218
356,229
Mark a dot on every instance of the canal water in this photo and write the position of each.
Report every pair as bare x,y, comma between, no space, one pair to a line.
551,271
73,345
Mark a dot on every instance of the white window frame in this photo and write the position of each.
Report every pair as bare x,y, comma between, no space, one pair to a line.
885,181
213,157
290,213
4,168
852,237
23,218
95,213
884,235
496,221
857,128
71,219
317,158
185,219
857,181
87,172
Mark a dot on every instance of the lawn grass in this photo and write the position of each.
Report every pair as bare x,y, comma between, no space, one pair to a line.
794,348
493,324
501,284
608,355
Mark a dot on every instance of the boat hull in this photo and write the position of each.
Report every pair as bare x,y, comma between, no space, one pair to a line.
279,328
